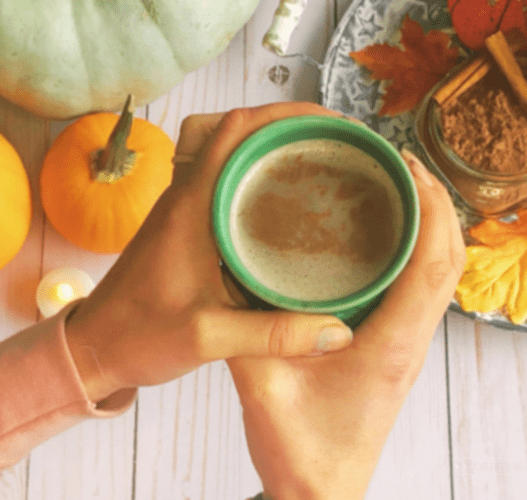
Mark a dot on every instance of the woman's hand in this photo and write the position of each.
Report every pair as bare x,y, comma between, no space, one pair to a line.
164,308
316,425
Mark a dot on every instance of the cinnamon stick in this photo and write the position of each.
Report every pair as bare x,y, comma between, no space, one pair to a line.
504,57
463,80
475,71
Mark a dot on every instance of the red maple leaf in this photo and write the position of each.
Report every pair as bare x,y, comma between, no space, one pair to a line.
412,72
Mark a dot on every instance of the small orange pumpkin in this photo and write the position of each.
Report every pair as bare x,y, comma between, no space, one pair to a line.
102,176
15,202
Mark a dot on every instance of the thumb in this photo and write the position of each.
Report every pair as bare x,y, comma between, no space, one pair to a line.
231,333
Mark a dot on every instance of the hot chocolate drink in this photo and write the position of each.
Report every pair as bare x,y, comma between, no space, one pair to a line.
316,220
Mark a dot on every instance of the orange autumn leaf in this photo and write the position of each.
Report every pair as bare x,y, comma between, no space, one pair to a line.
494,232
411,72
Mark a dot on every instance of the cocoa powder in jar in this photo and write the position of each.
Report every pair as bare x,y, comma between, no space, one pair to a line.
488,188
486,127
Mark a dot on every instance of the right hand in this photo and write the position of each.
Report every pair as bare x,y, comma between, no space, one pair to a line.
316,425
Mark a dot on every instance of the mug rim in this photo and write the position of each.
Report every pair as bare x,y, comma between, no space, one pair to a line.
286,131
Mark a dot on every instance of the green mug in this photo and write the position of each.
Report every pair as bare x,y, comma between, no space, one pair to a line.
352,307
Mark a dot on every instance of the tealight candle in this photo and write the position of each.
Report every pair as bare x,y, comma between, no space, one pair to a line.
60,287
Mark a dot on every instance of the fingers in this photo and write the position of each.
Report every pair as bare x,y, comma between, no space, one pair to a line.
207,141
416,301
227,333
239,124
438,214
194,132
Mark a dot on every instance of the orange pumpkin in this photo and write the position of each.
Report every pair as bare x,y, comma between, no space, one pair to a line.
475,20
15,202
102,176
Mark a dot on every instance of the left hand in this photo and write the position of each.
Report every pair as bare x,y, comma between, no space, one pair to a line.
164,308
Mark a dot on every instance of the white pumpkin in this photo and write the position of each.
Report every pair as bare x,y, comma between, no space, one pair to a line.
63,58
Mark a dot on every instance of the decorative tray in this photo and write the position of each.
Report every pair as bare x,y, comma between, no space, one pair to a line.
346,87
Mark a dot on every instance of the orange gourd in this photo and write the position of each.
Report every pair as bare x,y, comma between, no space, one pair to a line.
101,177
475,20
15,202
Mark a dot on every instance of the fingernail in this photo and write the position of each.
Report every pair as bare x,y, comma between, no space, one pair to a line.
333,338
417,168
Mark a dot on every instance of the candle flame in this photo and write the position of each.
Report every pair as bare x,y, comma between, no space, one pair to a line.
65,292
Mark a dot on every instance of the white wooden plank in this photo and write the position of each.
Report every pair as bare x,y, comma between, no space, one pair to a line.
19,279
190,439
90,461
13,482
95,459
488,388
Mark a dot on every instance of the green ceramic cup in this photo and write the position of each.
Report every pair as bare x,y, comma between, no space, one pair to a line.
352,308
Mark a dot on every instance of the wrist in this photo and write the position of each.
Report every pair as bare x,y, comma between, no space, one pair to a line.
79,338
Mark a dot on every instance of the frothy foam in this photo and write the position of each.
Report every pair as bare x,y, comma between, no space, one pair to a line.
316,220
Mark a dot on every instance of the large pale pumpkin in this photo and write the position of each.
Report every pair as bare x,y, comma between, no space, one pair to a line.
15,202
63,58
101,177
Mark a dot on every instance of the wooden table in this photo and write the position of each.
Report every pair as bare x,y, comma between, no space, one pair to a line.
462,433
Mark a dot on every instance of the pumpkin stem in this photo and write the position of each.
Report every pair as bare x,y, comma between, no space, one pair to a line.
116,160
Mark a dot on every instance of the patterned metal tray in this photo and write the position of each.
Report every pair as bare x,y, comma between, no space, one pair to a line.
347,88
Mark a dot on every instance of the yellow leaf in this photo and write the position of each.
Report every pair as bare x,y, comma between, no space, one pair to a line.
495,278
517,303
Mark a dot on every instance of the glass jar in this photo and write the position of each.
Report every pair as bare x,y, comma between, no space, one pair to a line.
486,194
